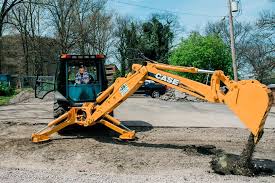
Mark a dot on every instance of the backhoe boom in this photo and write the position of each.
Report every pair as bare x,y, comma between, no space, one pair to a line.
248,99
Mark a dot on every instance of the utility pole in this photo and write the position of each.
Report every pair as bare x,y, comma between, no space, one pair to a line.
232,41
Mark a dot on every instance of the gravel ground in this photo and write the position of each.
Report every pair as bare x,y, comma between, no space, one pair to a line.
181,154
27,96
95,155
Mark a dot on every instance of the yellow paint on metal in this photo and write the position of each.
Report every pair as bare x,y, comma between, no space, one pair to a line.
249,99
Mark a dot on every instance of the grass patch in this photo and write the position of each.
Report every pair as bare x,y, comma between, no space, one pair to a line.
5,99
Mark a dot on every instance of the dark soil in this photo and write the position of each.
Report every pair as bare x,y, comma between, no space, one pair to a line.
227,164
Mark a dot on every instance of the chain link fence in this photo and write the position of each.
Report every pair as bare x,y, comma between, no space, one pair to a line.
29,81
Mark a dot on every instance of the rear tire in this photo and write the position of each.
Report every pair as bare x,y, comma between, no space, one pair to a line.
59,110
155,94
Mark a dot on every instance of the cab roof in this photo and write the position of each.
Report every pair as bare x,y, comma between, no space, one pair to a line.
80,57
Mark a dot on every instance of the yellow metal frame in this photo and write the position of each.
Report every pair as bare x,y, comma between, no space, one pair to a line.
248,99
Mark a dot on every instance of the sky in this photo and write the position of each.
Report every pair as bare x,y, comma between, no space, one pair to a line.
192,14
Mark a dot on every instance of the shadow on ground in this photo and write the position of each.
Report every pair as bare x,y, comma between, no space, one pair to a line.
267,165
100,130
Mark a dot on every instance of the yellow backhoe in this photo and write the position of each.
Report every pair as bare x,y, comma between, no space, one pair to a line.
248,99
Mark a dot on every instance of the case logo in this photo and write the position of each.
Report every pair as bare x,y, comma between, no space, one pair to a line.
167,79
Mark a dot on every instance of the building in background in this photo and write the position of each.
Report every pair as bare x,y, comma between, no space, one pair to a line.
111,72
23,67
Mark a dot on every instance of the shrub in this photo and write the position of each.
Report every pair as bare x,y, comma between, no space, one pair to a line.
203,52
6,90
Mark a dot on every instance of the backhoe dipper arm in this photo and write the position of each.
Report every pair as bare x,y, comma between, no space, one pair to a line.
249,99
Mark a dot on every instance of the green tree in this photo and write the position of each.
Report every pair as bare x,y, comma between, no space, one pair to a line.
153,38
204,52
132,43
127,41
156,39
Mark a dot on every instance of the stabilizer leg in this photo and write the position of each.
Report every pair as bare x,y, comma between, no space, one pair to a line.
126,133
63,121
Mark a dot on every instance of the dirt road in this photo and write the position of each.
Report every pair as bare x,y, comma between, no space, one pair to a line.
136,110
179,154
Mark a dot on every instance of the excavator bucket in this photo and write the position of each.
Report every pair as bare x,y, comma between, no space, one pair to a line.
251,101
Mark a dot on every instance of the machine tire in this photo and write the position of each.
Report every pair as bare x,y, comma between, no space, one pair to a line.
59,110
155,94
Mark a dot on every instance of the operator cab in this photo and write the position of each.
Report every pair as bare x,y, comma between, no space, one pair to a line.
79,79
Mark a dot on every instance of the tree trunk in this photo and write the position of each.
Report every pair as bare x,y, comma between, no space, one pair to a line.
1,47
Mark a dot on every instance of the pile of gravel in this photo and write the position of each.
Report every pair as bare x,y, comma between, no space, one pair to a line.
174,95
169,95
27,96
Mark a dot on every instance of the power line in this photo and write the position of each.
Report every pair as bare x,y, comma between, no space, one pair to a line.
164,10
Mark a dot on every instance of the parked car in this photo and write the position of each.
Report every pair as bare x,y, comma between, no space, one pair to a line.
151,88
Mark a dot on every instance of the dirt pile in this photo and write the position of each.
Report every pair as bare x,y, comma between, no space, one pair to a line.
174,95
169,95
228,164
27,96
22,96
